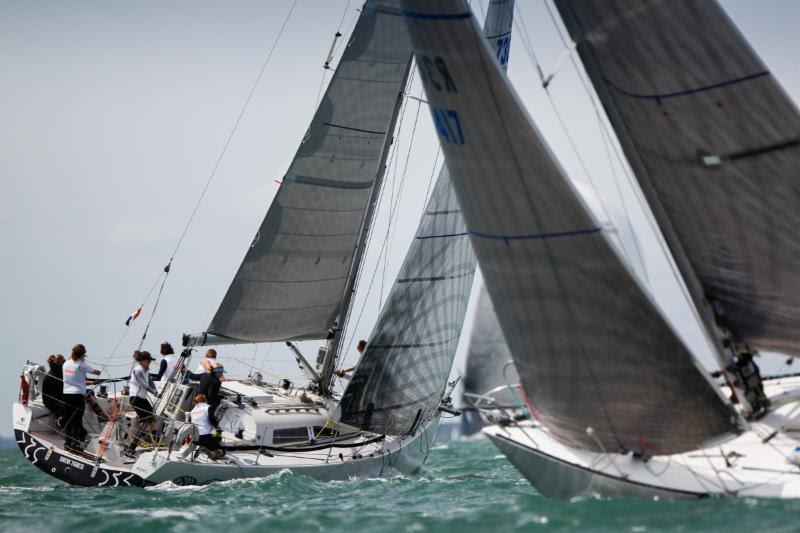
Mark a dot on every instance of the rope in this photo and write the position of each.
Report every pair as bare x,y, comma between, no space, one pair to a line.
360,273
211,176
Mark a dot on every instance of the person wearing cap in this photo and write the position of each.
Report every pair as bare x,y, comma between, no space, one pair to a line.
168,363
360,347
210,383
74,373
141,383
203,418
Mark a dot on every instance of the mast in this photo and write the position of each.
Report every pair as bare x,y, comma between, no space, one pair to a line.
332,352
399,381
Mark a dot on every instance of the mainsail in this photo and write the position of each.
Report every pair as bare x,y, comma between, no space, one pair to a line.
715,144
403,372
591,347
489,365
296,276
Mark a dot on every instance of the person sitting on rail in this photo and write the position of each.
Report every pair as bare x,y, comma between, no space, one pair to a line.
142,383
205,421
53,388
75,371
360,347
168,363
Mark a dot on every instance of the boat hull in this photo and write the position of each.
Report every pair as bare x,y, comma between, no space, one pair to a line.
559,479
72,468
405,457
45,450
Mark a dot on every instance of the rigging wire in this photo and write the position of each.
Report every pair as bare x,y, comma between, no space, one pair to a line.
370,236
211,176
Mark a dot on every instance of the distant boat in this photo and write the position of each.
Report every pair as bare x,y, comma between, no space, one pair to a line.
297,282
490,379
621,404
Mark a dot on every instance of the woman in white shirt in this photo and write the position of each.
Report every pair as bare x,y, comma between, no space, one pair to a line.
203,418
207,363
169,362
75,371
141,383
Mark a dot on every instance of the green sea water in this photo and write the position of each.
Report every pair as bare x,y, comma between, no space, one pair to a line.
468,486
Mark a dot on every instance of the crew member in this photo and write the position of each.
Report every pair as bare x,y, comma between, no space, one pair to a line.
207,362
205,421
141,383
210,383
53,388
168,363
360,347
75,371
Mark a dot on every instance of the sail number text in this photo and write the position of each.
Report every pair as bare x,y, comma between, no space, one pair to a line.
435,74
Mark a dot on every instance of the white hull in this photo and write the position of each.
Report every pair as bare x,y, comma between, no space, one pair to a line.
395,456
252,419
758,463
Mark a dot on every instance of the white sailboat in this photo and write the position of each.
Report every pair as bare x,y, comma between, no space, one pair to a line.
296,282
622,407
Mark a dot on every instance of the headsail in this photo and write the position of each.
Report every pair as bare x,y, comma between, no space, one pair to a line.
295,275
402,375
591,347
715,144
488,370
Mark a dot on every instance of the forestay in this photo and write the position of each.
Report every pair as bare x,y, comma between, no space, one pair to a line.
715,144
401,377
490,371
295,275
591,347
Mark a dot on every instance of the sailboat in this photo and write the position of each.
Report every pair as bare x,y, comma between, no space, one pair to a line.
490,379
297,282
622,406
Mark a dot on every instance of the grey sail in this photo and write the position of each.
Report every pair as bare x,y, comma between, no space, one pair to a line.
400,379
488,353
715,144
297,272
591,347
490,369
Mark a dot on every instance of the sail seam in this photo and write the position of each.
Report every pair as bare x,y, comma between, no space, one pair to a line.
538,236
661,96
436,16
332,125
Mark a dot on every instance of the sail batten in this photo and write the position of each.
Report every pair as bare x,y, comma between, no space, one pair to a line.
293,282
591,347
713,141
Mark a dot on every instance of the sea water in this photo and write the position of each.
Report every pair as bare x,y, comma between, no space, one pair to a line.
467,486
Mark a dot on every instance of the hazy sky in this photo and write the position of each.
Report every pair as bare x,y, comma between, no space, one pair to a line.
114,113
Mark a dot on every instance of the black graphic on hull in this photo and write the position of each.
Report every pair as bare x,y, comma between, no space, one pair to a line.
69,468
